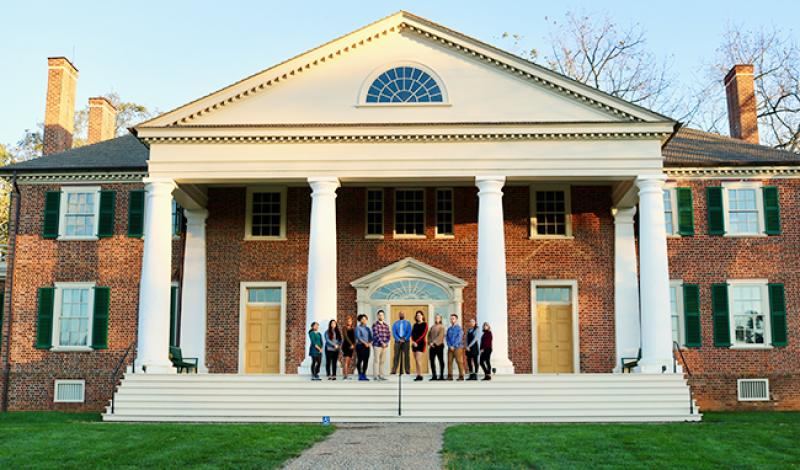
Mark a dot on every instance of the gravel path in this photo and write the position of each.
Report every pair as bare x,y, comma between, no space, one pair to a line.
369,446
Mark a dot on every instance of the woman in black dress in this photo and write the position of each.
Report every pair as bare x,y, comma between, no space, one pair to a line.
348,346
419,339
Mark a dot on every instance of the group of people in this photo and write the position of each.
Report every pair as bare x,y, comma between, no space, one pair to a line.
475,346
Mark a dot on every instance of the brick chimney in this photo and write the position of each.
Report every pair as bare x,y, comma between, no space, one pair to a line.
740,89
102,120
59,113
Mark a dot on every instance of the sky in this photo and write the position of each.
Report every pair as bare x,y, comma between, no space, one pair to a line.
165,53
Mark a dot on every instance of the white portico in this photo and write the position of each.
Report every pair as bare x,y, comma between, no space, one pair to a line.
489,121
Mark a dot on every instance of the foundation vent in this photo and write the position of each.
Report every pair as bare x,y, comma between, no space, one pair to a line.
69,391
753,389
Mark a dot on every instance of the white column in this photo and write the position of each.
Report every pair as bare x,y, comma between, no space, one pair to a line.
193,291
491,283
154,288
654,277
322,281
626,286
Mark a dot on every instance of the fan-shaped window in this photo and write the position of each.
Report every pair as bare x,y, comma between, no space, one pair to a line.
410,290
404,85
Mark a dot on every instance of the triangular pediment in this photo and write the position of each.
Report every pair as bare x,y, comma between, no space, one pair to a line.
327,85
408,268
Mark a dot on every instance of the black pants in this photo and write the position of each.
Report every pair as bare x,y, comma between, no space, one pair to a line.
401,353
331,358
434,353
472,361
486,364
316,362
362,359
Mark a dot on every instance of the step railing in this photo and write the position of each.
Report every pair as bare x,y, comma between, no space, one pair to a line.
677,347
115,375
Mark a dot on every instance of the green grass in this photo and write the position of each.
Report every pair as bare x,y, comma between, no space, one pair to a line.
723,440
82,441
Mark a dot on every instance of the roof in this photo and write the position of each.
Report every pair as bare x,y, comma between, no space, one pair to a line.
122,153
694,148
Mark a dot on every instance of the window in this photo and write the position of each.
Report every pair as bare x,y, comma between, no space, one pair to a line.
444,213
409,213
177,219
80,210
264,295
749,313
404,85
676,310
375,213
670,214
73,313
412,289
550,212
266,214
743,209
553,295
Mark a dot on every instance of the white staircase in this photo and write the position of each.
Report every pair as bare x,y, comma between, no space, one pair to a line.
291,398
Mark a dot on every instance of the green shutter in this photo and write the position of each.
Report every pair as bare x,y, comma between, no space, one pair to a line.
52,206
685,211
44,322
716,215
105,225
777,312
719,309
102,301
173,316
772,212
136,214
691,315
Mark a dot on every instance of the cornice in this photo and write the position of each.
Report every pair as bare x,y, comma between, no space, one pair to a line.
53,176
402,138
733,172
285,75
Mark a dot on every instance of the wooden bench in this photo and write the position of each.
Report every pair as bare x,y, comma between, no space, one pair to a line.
628,363
182,363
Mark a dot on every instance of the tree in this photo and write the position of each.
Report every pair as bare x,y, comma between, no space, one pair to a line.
592,49
128,114
775,56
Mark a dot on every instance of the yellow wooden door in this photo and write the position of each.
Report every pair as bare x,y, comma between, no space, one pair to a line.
263,340
410,311
554,338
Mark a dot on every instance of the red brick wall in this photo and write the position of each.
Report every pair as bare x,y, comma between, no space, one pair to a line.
588,259
705,260
114,262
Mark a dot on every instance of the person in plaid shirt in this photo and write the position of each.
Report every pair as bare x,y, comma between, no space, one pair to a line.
381,337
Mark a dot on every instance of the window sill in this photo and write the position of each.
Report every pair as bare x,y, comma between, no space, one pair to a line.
551,237
264,239
404,105
71,349
445,237
751,347
77,238
745,235
409,237
373,237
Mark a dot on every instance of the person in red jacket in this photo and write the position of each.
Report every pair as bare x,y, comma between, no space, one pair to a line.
486,352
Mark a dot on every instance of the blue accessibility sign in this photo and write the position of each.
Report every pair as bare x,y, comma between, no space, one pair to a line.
326,420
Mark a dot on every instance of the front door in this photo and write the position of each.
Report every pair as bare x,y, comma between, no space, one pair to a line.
554,332
263,339
410,311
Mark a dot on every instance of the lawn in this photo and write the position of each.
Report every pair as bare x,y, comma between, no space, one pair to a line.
81,441
722,440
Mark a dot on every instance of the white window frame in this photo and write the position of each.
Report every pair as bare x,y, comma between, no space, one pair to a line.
678,285
409,236
673,199
62,211
57,305
362,95
176,230
754,185
452,213
763,284
249,213
567,189
80,382
374,236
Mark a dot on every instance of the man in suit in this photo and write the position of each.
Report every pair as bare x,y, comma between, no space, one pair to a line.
401,332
